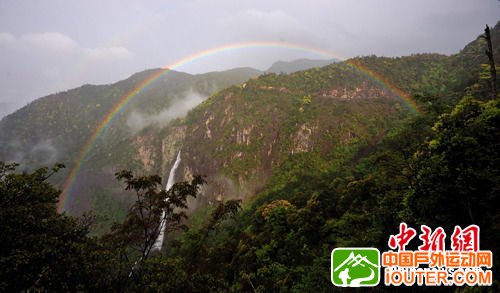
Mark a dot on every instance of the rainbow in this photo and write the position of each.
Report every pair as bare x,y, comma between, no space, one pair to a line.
387,83
125,100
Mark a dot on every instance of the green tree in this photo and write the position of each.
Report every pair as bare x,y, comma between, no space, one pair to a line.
457,171
39,248
133,239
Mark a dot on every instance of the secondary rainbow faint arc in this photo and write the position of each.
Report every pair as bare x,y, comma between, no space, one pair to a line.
124,101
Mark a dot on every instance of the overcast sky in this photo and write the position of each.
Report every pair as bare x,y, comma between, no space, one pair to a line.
53,45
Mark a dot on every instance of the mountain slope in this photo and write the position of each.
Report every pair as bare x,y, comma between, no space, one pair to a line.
55,128
439,168
60,123
241,135
298,65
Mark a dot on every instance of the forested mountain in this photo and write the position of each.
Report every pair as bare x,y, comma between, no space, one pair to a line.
295,165
55,128
298,65
60,123
345,188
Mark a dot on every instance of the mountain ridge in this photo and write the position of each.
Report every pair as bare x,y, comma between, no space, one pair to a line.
241,134
298,65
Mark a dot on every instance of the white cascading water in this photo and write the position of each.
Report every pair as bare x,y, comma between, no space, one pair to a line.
170,182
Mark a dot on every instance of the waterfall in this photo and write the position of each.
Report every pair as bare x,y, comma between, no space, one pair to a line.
170,182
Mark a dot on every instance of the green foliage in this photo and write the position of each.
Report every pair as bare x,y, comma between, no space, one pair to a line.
153,206
41,250
306,100
56,127
456,172
417,174
106,210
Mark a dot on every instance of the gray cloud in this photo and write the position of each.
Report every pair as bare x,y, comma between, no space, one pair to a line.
37,64
43,153
179,108
6,108
48,46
